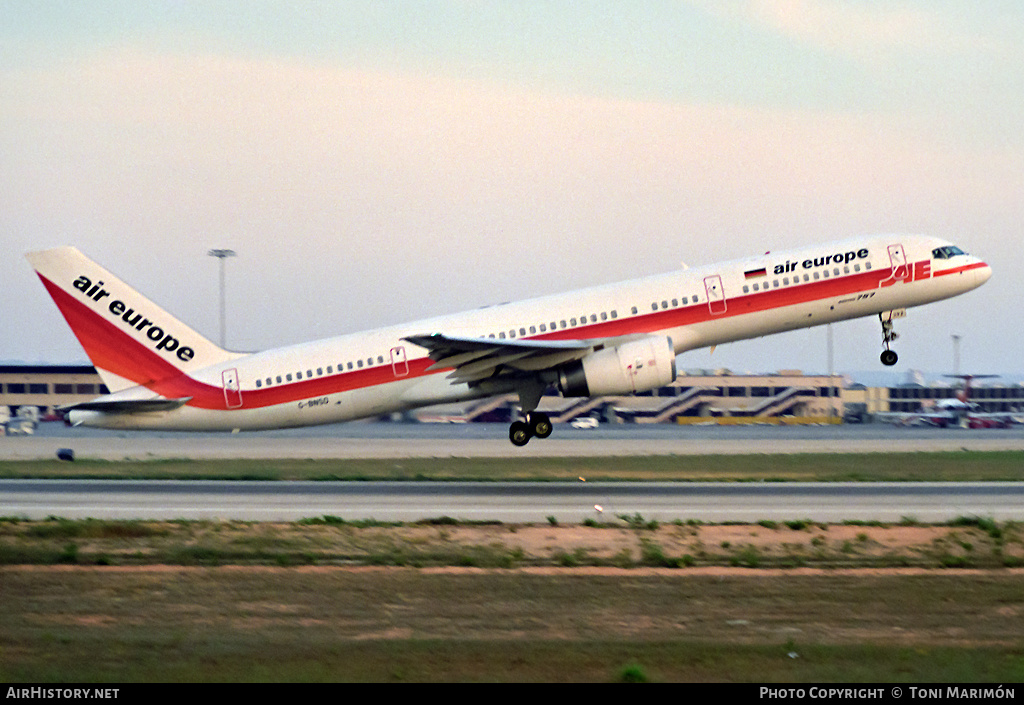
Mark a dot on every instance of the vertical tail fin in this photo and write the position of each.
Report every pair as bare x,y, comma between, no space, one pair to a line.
130,340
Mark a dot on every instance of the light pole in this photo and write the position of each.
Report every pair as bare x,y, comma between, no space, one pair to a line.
221,255
956,355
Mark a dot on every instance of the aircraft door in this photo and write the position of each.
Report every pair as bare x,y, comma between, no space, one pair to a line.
399,362
716,294
232,390
898,258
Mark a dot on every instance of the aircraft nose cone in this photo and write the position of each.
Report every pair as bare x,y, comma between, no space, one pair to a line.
982,274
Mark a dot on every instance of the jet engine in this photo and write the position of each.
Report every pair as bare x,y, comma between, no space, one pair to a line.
636,366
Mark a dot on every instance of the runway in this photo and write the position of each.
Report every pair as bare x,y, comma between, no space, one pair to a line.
395,440
509,502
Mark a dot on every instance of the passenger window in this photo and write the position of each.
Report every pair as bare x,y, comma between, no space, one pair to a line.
259,383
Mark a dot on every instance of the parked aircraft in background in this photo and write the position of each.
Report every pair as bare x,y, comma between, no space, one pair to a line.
607,340
956,411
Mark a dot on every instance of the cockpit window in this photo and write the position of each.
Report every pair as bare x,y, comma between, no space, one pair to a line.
947,252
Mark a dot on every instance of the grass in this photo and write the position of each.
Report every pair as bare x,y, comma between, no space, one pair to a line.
967,542
394,625
818,467
197,601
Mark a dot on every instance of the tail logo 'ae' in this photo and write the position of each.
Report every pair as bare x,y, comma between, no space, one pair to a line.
162,340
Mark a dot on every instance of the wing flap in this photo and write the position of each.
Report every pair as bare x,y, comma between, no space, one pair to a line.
473,359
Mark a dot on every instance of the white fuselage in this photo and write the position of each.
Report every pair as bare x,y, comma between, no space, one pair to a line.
378,371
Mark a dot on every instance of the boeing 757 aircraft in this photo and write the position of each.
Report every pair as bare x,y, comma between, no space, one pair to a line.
607,340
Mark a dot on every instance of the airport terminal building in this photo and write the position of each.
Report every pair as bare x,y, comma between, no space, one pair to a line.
46,387
700,396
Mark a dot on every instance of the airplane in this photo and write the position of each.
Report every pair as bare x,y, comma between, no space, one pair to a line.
606,340
956,411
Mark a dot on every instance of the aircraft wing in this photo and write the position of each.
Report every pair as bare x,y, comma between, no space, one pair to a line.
474,359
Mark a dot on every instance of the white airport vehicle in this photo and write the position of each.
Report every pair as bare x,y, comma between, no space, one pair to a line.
607,340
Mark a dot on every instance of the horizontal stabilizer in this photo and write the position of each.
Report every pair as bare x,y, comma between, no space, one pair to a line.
127,406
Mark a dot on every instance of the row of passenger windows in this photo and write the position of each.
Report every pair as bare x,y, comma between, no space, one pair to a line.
320,371
520,332
524,331
674,303
583,320
806,277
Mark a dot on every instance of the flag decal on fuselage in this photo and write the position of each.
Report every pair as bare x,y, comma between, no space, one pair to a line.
754,273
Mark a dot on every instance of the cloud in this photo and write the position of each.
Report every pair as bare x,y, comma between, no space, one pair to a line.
358,197
854,28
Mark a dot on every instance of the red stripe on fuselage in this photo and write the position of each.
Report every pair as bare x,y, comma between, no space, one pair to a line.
111,349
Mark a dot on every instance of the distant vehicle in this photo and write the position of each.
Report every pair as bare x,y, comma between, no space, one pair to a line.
584,422
607,340
23,423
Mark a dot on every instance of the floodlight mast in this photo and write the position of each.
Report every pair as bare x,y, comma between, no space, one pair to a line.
222,254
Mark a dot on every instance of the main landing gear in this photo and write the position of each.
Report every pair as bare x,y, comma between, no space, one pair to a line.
536,424
889,357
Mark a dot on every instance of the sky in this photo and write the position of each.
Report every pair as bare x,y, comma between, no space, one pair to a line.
379,162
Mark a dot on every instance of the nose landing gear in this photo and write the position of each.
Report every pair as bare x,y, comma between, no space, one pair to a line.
889,357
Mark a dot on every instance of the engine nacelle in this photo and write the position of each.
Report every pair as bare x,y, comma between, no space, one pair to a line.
632,367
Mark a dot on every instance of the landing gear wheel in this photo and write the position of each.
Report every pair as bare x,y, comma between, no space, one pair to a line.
889,357
519,433
540,424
